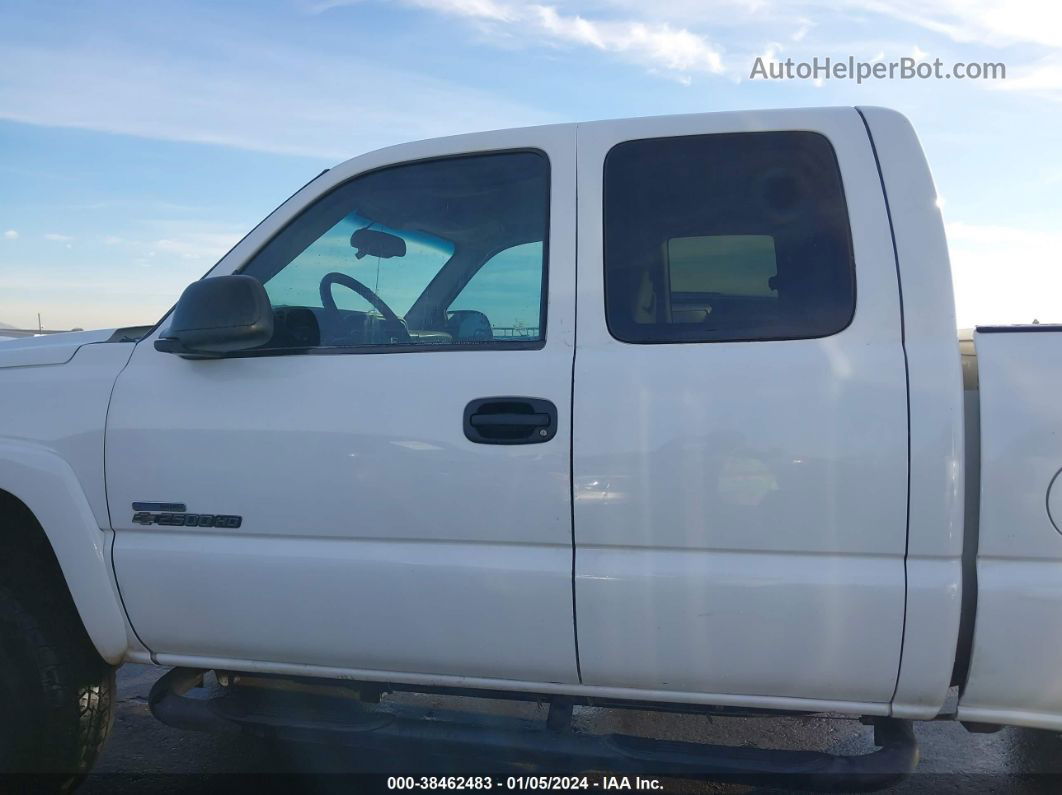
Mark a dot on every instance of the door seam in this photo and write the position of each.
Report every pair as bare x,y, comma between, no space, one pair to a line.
907,394
571,407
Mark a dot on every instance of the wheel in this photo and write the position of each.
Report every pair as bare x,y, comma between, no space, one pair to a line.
56,691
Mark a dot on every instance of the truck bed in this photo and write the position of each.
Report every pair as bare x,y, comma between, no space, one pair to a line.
1012,380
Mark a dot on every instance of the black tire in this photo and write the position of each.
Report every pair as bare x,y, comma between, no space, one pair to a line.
57,693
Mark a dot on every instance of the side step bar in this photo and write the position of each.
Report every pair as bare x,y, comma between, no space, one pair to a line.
488,742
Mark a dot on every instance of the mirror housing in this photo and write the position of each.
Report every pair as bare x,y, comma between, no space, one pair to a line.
217,316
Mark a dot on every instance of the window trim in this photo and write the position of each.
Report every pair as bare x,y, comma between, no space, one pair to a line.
490,345
427,347
604,243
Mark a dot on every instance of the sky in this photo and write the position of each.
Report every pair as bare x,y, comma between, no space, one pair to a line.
140,141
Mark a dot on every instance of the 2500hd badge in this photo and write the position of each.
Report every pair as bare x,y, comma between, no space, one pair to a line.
174,514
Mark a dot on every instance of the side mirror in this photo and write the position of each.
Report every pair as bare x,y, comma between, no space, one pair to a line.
218,316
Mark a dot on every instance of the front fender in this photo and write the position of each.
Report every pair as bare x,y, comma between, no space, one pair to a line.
47,485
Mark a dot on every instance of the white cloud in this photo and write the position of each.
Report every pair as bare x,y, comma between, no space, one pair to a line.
11,234
193,245
651,42
267,99
993,22
679,39
167,241
802,31
1005,274
477,9
57,237
996,23
1001,25
1043,78
657,45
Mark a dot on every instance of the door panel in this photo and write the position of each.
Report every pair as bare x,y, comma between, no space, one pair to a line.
740,506
374,534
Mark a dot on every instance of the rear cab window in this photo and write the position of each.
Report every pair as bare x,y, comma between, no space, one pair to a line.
726,237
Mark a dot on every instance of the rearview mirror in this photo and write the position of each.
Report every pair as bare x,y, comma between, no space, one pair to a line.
218,316
374,243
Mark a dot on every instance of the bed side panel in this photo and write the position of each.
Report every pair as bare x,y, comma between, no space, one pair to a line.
1017,644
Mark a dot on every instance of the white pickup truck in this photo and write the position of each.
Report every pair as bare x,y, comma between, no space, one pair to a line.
659,413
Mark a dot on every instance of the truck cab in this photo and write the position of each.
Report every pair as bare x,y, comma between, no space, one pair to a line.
728,469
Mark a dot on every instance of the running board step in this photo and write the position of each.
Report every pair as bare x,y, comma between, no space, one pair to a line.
486,740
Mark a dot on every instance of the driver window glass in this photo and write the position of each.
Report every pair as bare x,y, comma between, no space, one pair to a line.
438,252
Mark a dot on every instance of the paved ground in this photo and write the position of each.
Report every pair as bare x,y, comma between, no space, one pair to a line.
146,756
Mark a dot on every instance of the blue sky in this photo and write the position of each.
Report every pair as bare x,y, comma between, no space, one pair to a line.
139,141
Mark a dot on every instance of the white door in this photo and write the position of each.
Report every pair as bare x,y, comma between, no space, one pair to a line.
740,455
376,497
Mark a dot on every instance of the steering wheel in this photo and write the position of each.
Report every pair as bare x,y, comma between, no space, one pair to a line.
329,303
